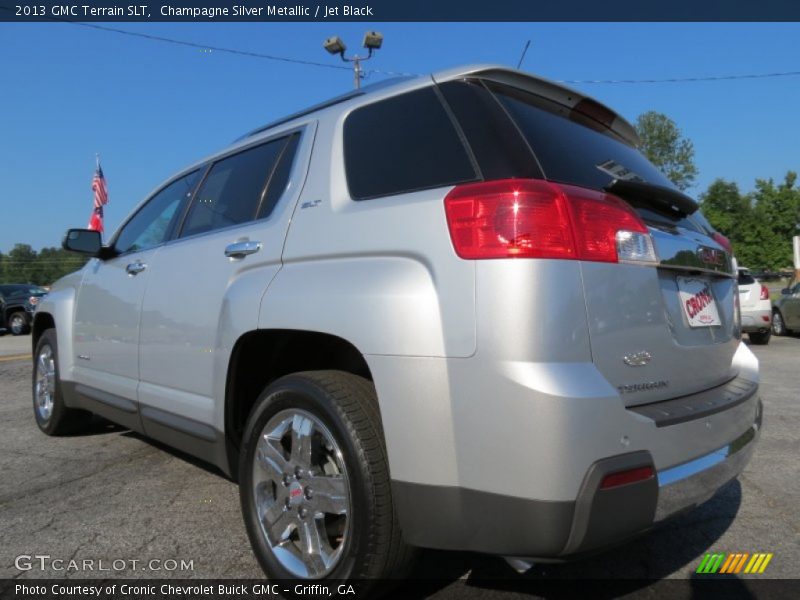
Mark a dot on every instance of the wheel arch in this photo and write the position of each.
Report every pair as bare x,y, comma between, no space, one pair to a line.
42,321
261,356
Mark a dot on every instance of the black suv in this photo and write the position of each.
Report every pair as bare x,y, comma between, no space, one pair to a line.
17,303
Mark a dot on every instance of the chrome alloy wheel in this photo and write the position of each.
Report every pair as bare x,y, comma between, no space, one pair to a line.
45,382
302,493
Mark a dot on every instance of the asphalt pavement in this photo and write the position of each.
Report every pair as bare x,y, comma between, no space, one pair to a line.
114,495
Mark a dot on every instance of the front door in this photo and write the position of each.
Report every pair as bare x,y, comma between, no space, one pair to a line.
108,307
207,285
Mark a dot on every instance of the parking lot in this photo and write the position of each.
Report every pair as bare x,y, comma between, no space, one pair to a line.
114,495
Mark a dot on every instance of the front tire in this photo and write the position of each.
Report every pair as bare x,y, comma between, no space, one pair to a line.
52,416
778,325
760,338
18,323
314,481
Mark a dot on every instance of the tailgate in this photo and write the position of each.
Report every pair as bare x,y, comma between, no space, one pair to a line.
667,331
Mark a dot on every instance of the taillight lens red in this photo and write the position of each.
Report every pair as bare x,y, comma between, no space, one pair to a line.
764,293
626,477
723,241
527,218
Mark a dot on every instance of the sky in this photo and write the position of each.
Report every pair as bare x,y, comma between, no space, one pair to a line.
150,108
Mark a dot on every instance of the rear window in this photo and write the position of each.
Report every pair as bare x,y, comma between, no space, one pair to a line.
403,144
573,149
745,278
569,151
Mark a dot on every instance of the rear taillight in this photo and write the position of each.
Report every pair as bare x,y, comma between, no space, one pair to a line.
764,293
723,241
527,218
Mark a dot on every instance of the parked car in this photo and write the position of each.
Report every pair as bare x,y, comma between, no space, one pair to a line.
786,313
17,303
352,311
756,307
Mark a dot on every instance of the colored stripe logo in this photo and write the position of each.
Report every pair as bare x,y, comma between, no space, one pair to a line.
735,562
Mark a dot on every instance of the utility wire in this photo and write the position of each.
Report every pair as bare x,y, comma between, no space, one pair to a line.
159,38
234,51
406,74
686,79
312,63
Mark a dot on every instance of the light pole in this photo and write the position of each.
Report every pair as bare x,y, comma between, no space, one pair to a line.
372,41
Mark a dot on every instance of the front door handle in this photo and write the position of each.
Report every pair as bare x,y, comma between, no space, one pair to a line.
135,268
242,249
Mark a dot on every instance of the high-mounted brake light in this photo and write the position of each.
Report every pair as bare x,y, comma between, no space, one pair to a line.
528,218
764,293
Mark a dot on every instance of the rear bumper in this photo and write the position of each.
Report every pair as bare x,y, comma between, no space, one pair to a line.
694,482
457,518
756,320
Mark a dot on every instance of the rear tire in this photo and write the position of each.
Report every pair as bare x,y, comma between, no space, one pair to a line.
52,416
778,324
760,338
18,323
319,429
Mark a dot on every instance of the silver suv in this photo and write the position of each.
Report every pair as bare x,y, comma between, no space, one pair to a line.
457,312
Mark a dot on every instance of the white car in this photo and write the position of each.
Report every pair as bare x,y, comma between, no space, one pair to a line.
756,308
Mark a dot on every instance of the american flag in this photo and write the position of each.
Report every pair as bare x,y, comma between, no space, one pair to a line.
100,199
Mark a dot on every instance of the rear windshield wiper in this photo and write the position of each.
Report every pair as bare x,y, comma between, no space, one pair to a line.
658,197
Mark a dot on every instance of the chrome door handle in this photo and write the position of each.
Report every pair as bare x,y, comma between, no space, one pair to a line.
242,249
135,268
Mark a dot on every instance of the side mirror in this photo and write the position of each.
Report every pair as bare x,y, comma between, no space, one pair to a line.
85,241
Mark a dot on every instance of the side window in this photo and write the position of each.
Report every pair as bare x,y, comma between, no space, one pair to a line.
233,189
498,146
403,144
152,224
279,178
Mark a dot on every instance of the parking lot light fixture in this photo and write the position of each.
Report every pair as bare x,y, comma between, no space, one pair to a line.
373,40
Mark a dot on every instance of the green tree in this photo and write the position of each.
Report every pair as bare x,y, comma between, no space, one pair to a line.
777,210
24,265
662,143
725,207
21,263
761,224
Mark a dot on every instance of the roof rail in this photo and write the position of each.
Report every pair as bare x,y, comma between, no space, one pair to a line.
327,103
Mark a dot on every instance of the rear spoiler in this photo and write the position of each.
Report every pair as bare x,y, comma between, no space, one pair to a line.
567,97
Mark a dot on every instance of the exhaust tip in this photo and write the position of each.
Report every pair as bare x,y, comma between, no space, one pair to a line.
520,565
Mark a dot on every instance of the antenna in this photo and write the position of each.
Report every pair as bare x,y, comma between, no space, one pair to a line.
524,50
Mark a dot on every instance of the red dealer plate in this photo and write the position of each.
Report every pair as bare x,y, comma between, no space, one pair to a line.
698,302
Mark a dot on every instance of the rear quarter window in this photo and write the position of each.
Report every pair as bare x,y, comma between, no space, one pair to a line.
403,144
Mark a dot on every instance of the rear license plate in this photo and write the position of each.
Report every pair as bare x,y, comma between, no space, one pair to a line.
698,302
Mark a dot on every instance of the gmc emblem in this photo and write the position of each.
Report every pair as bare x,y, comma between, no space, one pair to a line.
711,256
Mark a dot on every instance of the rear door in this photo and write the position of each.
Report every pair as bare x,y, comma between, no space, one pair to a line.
208,283
656,332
